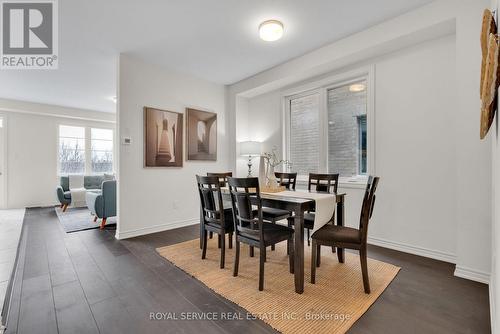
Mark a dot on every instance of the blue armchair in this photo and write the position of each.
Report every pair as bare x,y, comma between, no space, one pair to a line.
103,205
90,182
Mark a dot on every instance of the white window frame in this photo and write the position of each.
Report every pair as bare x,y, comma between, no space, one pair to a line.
322,86
88,146
88,135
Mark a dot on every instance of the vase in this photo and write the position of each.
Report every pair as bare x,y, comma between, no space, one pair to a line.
271,178
262,172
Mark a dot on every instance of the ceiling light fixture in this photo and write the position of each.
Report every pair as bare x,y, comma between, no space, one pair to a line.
357,88
271,30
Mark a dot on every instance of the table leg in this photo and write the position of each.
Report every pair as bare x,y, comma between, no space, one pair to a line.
299,251
340,222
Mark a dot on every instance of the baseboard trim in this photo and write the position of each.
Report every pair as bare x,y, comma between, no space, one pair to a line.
415,250
472,274
156,228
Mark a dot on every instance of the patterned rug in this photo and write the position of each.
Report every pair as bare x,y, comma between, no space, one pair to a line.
80,219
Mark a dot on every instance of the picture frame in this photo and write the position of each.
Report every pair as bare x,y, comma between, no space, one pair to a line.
163,138
201,135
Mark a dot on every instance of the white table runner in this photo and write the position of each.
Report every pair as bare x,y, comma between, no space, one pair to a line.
325,205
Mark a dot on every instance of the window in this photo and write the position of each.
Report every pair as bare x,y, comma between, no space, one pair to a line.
304,133
347,129
328,128
85,150
71,149
102,150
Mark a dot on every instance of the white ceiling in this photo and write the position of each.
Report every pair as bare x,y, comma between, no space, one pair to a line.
213,39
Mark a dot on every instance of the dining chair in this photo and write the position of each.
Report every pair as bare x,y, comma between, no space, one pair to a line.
223,183
249,225
346,237
222,177
273,215
216,219
288,180
327,183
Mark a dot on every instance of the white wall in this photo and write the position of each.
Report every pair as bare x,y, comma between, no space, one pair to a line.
152,200
473,155
32,148
431,119
494,134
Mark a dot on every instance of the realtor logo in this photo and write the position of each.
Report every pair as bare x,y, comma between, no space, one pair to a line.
29,34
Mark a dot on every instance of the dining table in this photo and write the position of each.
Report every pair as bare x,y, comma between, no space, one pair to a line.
298,206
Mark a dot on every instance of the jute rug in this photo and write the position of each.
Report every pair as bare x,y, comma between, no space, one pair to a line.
332,305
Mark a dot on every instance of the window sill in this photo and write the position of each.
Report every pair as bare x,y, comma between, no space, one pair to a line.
352,183
355,182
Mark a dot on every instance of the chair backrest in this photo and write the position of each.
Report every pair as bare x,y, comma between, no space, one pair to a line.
89,181
368,205
222,177
246,221
211,199
109,197
323,182
288,180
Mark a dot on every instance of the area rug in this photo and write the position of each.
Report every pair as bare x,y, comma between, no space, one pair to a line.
80,219
332,305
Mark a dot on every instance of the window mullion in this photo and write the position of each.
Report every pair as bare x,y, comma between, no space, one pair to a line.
88,151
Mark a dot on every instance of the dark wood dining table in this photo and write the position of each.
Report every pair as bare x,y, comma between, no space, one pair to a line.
298,206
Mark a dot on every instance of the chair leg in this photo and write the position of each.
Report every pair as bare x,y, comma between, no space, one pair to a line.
218,240
318,256
65,207
103,223
230,240
364,270
308,237
62,205
211,235
288,242
204,245
261,267
252,253
290,252
222,238
313,262
236,258
95,219
341,254
333,249
273,247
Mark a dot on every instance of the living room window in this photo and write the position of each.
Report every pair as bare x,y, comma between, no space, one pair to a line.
85,150
328,126
71,149
101,150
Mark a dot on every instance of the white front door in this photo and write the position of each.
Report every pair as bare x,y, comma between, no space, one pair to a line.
3,163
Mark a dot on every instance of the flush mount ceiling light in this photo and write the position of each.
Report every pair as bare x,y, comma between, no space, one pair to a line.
357,88
271,30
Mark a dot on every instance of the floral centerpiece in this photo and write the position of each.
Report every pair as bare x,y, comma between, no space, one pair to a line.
272,162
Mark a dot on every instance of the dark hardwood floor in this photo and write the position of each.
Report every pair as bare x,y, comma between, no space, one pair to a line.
88,282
